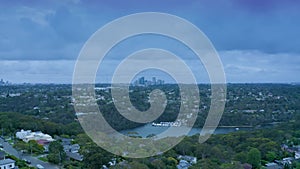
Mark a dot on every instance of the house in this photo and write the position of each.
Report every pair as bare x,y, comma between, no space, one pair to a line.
66,141
27,135
74,156
74,148
297,155
104,167
190,159
113,162
71,149
183,164
287,160
273,166
7,164
72,152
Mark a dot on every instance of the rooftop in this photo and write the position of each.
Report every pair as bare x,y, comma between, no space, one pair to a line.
6,161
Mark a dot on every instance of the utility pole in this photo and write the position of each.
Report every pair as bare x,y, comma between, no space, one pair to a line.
30,148
60,160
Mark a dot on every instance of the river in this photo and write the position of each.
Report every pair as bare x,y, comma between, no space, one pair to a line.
148,129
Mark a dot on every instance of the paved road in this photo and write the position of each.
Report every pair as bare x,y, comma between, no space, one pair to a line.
34,161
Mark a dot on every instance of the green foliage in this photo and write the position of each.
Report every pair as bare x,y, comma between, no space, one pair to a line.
20,163
94,156
271,156
12,122
254,157
241,156
298,165
158,164
233,165
56,153
31,147
138,165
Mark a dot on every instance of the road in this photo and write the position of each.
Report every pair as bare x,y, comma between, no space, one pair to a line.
34,161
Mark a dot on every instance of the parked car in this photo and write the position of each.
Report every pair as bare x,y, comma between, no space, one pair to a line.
27,161
39,166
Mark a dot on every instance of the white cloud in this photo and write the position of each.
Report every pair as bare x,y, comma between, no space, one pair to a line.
37,15
240,66
256,66
55,71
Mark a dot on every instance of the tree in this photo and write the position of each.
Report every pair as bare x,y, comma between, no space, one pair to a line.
254,157
138,165
271,156
56,152
34,147
242,157
158,164
95,156
206,164
202,150
232,165
298,166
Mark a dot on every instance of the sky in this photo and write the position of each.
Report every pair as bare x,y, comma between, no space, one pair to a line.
257,41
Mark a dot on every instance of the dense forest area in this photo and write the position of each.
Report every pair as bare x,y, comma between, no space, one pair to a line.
246,104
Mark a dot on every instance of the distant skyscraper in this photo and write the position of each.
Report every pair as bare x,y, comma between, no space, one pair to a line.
142,80
153,80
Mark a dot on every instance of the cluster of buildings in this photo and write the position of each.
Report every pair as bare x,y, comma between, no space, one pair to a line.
144,82
186,161
4,83
72,150
280,164
27,135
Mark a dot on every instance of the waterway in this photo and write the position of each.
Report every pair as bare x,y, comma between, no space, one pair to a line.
148,129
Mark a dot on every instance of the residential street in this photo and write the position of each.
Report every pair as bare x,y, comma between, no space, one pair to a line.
34,161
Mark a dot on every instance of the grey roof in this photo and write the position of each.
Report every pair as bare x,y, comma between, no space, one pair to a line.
6,161
183,164
75,156
271,164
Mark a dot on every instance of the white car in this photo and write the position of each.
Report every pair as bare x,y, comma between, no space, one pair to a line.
39,166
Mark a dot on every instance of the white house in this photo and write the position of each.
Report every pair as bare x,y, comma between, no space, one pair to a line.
7,164
297,155
272,166
29,135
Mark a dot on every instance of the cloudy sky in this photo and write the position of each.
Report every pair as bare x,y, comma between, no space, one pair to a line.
258,41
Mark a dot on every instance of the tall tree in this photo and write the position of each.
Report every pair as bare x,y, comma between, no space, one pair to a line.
254,157
56,152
